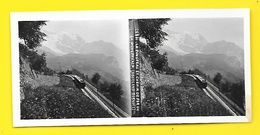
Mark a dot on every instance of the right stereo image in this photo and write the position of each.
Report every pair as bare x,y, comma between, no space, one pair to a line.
187,67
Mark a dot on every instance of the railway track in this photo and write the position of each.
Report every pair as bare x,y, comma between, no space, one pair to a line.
115,109
214,93
91,92
235,109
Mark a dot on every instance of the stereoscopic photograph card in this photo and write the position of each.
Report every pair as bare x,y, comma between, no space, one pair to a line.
130,67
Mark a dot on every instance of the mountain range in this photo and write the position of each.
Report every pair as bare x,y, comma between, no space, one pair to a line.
65,43
67,51
185,51
191,50
106,66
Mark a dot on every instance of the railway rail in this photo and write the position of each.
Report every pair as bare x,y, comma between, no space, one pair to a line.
214,93
90,91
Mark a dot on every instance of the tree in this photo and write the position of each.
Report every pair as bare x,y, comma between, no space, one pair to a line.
115,91
38,62
48,71
29,32
159,61
238,93
95,78
217,78
170,71
226,86
104,87
151,30
190,71
68,71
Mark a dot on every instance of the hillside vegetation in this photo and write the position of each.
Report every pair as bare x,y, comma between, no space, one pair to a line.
174,95
184,98
63,100
52,96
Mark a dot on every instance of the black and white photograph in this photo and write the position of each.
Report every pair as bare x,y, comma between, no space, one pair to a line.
130,67
72,69
191,67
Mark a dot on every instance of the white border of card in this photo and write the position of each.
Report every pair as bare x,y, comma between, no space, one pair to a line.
125,15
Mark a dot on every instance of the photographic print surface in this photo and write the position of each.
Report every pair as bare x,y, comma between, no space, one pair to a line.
190,67
130,67
73,69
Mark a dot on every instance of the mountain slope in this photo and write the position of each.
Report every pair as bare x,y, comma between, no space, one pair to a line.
66,43
187,42
210,64
184,43
88,64
227,48
47,51
100,47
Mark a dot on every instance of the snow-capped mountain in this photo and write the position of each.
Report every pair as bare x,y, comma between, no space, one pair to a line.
66,43
188,50
63,43
187,42
59,47
184,43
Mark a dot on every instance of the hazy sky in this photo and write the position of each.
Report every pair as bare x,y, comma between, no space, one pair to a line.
213,29
93,30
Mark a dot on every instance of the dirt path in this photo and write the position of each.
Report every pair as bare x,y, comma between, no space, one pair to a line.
42,80
169,80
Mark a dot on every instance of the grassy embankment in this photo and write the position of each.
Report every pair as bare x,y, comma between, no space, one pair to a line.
56,99
174,97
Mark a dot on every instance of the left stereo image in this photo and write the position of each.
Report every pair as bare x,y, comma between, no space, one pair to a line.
72,69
